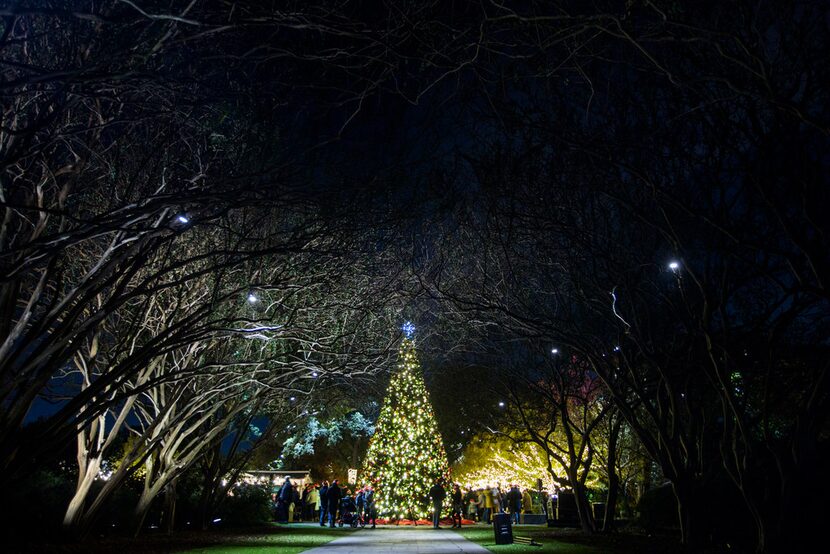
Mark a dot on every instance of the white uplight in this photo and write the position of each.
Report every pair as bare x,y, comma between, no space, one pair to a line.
181,218
554,351
252,298
501,404
674,265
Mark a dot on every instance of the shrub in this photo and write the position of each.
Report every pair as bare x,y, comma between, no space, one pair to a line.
249,505
658,509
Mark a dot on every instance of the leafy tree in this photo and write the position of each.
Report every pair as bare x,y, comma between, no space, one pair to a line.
491,460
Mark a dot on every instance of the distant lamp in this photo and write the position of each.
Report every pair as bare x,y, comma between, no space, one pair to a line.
252,298
674,266
554,351
501,404
181,218
408,329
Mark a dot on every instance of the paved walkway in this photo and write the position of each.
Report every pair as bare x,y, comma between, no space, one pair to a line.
421,539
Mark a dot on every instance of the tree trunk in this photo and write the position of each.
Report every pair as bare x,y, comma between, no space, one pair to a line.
583,507
690,514
148,493
209,486
141,509
797,524
613,478
74,511
355,452
608,522
205,505
170,507
88,517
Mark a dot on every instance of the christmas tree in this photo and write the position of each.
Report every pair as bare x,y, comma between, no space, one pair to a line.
406,455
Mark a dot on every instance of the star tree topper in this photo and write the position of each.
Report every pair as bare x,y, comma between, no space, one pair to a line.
408,329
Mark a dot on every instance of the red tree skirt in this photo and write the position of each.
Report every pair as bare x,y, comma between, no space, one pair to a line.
444,521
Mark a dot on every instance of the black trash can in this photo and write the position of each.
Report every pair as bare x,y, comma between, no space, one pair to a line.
599,511
566,512
503,528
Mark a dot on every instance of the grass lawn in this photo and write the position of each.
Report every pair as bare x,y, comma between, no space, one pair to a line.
290,539
568,541
285,539
483,535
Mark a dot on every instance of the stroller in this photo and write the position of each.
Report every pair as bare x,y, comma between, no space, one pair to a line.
348,513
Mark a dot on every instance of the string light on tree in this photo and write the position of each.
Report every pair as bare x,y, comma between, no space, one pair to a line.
406,454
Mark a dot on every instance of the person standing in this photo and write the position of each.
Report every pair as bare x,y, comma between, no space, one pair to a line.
333,497
488,505
457,500
324,503
313,500
284,499
437,493
304,504
545,508
369,501
471,500
360,503
514,503
498,505
527,502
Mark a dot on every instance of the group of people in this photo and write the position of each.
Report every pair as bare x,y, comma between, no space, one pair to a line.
438,494
480,504
331,503
325,502
338,503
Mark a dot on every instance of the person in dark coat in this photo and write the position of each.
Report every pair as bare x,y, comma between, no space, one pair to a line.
437,493
369,502
304,503
457,505
324,503
514,503
284,499
360,502
333,497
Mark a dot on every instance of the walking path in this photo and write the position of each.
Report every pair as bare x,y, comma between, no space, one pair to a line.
422,539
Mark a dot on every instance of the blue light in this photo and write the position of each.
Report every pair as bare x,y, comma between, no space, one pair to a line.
408,329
